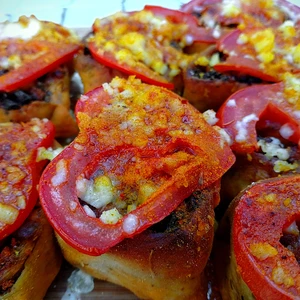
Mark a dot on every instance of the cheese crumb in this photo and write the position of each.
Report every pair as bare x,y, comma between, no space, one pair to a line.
111,216
263,250
98,192
274,149
20,31
210,117
61,173
241,127
280,276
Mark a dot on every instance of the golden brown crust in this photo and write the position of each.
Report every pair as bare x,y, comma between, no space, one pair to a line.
92,73
164,262
208,94
230,283
55,106
40,268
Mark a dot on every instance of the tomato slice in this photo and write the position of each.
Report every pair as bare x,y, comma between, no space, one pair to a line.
257,107
52,56
197,33
251,14
31,48
266,53
140,70
263,212
148,44
152,146
20,171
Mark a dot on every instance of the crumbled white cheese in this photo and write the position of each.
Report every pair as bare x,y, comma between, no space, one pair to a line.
216,32
225,138
274,149
111,216
4,63
89,211
242,129
210,117
130,224
231,103
19,31
61,173
98,192
286,131
230,8
189,39
108,89
73,205
208,21
287,23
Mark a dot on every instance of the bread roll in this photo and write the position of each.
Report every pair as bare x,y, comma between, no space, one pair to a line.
164,262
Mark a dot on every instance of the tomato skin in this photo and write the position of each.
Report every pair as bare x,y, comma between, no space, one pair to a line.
259,220
16,138
107,235
175,15
241,62
142,73
161,39
55,55
199,34
259,103
151,158
243,57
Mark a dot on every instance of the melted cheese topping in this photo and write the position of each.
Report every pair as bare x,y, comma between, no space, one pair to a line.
277,50
17,40
142,38
24,31
292,89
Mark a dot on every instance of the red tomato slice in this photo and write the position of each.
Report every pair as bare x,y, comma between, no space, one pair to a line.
52,55
148,44
197,33
252,14
260,216
140,70
19,170
257,106
249,52
154,148
175,16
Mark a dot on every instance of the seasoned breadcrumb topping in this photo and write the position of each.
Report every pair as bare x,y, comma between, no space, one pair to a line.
146,117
